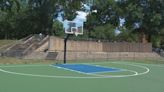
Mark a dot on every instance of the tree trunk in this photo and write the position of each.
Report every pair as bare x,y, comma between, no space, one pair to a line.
142,36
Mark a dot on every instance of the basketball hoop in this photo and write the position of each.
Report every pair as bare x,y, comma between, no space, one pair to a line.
72,28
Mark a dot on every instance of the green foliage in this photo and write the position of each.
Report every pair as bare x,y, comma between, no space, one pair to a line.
148,13
162,38
57,29
70,8
127,35
104,32
106,12
19,19
156,41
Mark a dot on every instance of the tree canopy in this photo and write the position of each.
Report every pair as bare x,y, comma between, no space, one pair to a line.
20,18
143,16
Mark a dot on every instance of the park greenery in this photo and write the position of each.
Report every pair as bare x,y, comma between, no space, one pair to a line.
143,19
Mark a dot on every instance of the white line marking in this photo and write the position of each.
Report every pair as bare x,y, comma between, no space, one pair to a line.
161,65
23,65
119,70
135,73
96,75
70,70
156,65
144,67
93,64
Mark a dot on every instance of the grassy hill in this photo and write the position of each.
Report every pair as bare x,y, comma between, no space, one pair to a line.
4,43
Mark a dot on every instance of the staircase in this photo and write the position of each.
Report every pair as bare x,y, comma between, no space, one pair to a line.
25,46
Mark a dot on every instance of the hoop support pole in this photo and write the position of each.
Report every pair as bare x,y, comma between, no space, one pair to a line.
65,48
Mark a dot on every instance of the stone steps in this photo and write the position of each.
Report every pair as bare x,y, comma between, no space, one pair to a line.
25,47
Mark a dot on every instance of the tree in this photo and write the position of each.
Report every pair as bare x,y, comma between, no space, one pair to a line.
105,32
106,15
8,10
46,10
162,38
19,19
106,12
57,29
144,15
127,35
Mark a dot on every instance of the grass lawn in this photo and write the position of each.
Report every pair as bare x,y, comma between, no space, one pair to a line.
5,42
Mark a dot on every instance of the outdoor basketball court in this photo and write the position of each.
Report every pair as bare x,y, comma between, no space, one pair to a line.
82,77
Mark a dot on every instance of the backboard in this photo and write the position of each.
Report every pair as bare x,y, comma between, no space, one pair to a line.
72,27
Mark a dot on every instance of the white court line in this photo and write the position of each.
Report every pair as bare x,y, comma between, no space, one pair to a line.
135,73
73,70
155,65
22,65
96,75
162,66
119,70
124,62
144,67
93,64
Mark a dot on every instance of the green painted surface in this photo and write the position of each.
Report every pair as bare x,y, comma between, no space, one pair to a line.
150,82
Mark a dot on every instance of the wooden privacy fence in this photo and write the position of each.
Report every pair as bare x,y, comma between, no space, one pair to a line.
57,44
127,47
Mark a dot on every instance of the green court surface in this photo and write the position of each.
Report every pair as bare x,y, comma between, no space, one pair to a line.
133,77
